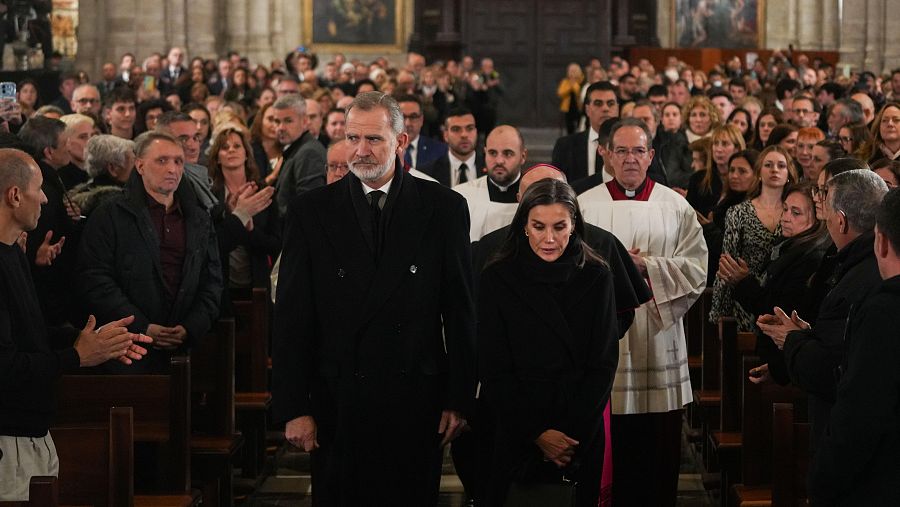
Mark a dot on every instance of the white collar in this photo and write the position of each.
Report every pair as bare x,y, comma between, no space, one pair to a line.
455,162
384,188
503,189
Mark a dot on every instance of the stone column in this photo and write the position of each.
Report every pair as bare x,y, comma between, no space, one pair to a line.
808,19
201,28
92,48
258,46
665,13
831,26
853,33
891,42
876,15
781,24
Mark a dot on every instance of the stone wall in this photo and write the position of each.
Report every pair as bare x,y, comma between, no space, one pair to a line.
263,30
268,29
855,28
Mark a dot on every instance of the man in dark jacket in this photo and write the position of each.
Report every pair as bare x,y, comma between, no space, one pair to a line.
303,168
374,322
813,353
53,243
857,462
32,355
153,253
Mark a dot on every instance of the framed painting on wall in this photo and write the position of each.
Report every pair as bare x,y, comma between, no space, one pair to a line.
354,26
730,24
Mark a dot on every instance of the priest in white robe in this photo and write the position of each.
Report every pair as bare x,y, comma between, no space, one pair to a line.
492,198
652,383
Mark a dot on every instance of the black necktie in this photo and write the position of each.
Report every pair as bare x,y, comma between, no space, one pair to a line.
598,161
375,213
462,173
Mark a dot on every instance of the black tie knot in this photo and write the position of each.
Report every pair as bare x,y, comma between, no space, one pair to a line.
463,177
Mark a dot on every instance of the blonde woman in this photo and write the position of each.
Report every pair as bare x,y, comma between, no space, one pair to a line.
701,117
569,91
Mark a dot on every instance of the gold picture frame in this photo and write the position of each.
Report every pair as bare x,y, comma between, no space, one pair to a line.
354,26
721,26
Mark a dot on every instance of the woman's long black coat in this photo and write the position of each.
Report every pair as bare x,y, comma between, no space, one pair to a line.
547,361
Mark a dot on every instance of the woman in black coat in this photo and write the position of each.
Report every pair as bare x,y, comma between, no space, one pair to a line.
246,219
783,283
548,346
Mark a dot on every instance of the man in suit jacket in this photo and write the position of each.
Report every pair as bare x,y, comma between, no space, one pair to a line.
421,149
304,156
462,162
173,71
374,322
576,154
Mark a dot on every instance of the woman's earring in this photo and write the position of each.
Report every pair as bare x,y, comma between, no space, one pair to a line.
526,234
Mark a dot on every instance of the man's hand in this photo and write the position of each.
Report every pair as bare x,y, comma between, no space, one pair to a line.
638,261
47,252
557,447
760,374
703,219
301,432
73,211
778,326
112,341
167,338
451,425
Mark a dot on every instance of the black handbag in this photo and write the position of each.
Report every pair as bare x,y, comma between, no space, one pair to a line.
538,484
541,494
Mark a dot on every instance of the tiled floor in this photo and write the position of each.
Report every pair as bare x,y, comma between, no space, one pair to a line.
290,485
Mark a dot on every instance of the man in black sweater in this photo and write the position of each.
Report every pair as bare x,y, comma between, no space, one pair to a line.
33,356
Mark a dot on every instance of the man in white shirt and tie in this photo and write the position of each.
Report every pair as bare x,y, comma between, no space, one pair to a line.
576,154
173,70
462,162
421,150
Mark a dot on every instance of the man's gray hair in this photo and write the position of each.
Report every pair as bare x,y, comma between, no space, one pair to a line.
857,194
852,112
106,149
368,101
293,101
41,133
630,122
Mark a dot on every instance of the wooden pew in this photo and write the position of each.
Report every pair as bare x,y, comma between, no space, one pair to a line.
214,442
162,417
790,453
43,491
252,396
96,463
758,459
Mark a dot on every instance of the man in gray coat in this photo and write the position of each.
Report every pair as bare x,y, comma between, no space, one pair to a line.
303,168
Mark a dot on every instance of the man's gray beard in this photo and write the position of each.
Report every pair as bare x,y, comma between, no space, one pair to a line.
369,175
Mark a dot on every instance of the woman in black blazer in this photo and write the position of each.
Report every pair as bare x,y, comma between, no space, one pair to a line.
548,348
247,225
784,282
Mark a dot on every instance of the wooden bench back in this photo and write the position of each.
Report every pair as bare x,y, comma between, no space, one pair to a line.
212,381
790,453
161,411
43,491
251,317
734,346
96,463
756,458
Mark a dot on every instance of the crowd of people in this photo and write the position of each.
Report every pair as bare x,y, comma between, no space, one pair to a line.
431,286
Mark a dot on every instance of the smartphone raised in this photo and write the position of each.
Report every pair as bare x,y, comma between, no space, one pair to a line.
7,91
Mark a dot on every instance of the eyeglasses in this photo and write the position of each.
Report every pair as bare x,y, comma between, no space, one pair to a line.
337,167
622,152
820,192
894,119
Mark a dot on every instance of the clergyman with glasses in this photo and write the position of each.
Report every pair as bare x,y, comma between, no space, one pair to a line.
652,384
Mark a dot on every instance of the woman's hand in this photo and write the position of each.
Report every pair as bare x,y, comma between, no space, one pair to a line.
557,447
732,271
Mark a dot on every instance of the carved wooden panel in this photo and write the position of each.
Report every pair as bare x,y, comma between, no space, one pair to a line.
532,42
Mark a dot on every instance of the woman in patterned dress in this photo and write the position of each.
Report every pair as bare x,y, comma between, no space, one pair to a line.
751,228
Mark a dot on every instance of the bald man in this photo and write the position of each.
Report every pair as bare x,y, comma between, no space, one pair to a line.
492,198
865,102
